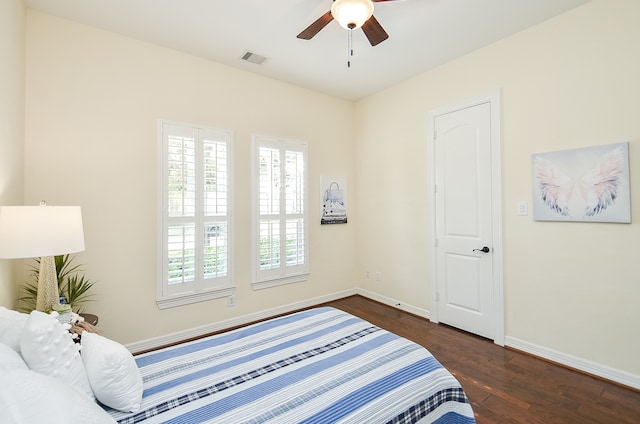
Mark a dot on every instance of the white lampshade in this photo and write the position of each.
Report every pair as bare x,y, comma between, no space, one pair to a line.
35,231
352,14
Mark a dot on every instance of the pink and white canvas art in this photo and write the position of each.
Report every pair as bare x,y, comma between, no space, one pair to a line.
587,185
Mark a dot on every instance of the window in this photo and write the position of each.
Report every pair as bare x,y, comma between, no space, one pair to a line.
281,214
195,213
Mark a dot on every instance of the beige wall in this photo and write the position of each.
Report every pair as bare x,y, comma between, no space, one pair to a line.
570,82
12,48
93,100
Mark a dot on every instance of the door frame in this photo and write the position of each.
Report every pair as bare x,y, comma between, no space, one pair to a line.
493,98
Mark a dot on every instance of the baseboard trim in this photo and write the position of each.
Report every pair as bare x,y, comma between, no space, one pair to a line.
580,364
394,303
156,342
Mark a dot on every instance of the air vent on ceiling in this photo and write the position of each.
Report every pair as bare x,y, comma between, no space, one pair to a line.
253,58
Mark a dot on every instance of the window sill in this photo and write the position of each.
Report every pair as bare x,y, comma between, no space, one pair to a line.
186,299
259,285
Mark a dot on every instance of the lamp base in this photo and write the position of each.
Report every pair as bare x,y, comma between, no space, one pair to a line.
48,295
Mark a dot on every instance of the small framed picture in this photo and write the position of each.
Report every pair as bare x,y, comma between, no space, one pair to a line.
333,201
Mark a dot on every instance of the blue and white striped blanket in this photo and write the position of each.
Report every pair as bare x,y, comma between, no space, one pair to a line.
317,366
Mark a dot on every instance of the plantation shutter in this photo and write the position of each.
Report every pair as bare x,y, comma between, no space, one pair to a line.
282,220
196,210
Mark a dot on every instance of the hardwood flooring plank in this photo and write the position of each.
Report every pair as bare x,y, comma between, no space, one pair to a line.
622,398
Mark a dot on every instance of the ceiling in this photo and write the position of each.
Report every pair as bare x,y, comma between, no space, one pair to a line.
423,34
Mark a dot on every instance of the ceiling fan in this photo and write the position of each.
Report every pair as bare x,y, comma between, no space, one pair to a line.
351,14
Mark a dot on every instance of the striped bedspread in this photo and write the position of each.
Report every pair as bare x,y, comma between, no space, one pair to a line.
317,366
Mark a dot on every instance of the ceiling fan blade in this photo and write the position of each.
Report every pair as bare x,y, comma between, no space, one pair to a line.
315,27
374,31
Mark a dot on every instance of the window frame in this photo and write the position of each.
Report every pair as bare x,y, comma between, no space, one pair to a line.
201,289
262,279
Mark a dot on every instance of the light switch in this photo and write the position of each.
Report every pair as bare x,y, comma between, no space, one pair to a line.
523,208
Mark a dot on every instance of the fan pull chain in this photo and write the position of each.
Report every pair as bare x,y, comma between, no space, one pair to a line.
349,48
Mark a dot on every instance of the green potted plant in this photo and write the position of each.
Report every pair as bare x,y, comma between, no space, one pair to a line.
72,285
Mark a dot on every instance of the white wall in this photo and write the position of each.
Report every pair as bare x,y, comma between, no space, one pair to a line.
93,98
12,47
567,83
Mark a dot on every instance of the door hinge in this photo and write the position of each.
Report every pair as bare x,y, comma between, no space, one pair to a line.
437,297
435,242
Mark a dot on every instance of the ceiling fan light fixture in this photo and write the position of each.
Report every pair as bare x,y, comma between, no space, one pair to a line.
352,14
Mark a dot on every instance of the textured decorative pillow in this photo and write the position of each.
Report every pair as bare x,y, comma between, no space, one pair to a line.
11,324
10,359
47,348
114,376
29,397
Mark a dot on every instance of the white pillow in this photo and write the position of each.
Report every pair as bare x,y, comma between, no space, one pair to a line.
114,376
10,359
11,324
47,348
28,397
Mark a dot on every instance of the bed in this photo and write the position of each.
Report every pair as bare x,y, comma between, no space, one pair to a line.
321,365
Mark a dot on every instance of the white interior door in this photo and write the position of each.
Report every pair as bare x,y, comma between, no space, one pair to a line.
465,276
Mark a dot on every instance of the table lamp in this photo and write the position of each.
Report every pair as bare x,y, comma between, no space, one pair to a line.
41,231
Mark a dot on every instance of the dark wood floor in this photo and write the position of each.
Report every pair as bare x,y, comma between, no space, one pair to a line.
504,385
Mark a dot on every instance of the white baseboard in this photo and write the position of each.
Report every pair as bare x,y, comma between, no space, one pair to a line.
575,362
395,303
155,342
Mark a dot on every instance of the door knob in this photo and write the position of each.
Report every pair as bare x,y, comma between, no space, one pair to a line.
485,249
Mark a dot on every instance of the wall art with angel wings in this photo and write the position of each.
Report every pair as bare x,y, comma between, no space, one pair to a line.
588,185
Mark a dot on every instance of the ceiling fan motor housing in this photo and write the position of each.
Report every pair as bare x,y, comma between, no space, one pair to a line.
343,12
352,14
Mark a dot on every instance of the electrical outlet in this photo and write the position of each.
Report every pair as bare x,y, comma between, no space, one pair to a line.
366,275
231,301
378,276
